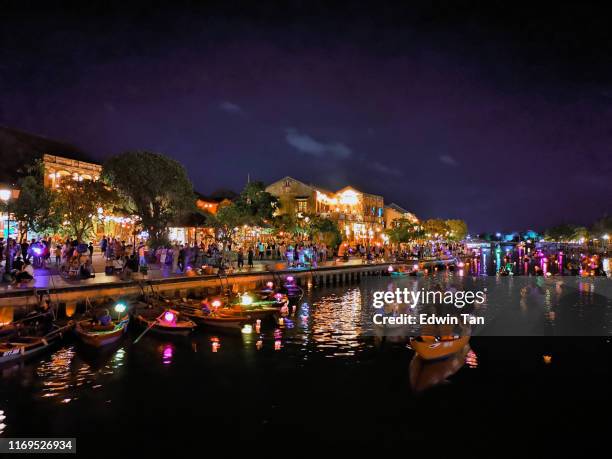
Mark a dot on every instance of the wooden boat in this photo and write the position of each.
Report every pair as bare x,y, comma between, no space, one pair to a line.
254,312
18,347
164,321
100,335
434,348
218,320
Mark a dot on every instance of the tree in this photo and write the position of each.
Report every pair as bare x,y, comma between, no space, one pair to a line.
154,187
436,228
76,203
325,231
602,227
458,230
560,233
256,204
405,231
226,223
33,209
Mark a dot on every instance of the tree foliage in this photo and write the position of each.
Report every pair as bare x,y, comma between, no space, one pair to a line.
34,207
256,204
458,230
154,188
566,233
76,203
227,222
325,231
405,231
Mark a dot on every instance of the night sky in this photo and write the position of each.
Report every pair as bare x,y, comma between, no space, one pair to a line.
500,114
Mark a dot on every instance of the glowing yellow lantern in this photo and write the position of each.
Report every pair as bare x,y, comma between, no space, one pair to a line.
6,315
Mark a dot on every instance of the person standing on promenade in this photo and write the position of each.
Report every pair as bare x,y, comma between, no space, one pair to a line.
103,244
250,257
240,258
181,259
58,254
142,260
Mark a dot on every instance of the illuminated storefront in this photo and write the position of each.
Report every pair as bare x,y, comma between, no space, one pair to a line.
359,216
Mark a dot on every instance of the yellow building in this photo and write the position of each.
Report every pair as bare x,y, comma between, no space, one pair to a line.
58,167
394,214
359,215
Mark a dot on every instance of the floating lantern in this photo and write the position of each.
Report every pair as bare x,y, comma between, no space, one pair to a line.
547,359
281,321
120,308
247,329
461,264
216,303
390,269
270,284
415,267
277,345
290,279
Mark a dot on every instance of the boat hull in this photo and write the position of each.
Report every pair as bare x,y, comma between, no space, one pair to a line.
182,328
20,348
101,338
438,350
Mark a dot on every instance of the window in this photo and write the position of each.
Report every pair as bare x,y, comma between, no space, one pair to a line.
301,205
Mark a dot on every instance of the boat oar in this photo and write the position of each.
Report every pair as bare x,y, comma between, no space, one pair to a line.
149,327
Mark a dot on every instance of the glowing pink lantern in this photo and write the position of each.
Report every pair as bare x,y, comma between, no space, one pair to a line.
270,284
169,316
289,278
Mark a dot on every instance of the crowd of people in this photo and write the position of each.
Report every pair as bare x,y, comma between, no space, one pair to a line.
21,258
75,260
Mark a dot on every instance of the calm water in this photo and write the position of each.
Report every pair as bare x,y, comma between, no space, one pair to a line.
322,378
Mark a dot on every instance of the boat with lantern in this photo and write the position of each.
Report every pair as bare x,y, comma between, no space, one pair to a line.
244,307
438,347
28,341
163,320
217,320
93,333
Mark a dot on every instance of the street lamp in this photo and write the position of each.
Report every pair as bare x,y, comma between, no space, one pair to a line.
7,194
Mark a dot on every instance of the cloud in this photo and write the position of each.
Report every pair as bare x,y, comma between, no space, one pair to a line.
386,169
448,160
307,144
231,108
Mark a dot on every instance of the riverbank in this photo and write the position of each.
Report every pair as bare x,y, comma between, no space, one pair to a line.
101,287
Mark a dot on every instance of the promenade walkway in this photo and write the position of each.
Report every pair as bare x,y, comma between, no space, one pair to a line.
49,278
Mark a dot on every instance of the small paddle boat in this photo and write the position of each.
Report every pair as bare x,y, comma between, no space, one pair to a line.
93,333
164,321
22,344
436,348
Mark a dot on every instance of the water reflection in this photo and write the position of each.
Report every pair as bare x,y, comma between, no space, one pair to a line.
63,377
336,323
2,423
167,351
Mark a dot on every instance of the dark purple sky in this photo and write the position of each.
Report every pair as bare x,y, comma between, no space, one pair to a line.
498,115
